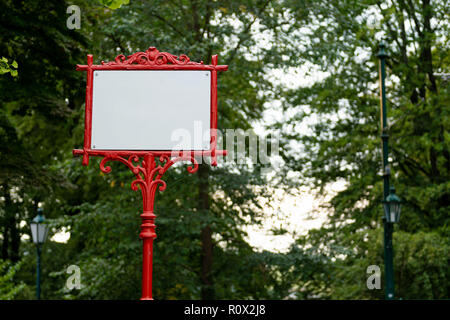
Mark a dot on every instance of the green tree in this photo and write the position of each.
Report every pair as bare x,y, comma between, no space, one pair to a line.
206,213
341,112
8,287
36,109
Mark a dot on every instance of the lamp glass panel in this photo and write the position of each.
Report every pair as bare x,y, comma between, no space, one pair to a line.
34,232
39,232
42,232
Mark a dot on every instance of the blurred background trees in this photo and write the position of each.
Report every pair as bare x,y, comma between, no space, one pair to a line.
343,135
330,133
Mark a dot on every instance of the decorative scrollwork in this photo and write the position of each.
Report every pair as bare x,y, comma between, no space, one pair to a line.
136,169
148,174
152,57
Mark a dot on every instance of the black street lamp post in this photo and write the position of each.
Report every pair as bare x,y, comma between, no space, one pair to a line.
39,232
390,200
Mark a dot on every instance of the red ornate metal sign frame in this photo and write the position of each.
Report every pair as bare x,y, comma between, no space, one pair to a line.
147,172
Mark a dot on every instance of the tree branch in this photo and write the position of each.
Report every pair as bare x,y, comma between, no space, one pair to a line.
245,32
157,16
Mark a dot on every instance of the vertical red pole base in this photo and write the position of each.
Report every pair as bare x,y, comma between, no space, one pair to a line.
147,235
148,178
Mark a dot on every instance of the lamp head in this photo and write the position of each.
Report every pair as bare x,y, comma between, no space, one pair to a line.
392,207
39,228
382,53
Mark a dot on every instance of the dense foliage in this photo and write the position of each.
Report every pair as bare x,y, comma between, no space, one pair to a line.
201,251
343,140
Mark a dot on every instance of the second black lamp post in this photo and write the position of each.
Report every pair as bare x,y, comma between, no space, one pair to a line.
39,230
390,200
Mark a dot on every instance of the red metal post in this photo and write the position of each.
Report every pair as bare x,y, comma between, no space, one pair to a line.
88,109
148,230
214,112
147,235
148,179
143,163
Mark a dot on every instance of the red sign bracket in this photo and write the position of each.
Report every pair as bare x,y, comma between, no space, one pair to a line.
143,163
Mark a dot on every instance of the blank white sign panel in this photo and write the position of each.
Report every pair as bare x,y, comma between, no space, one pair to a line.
151,110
